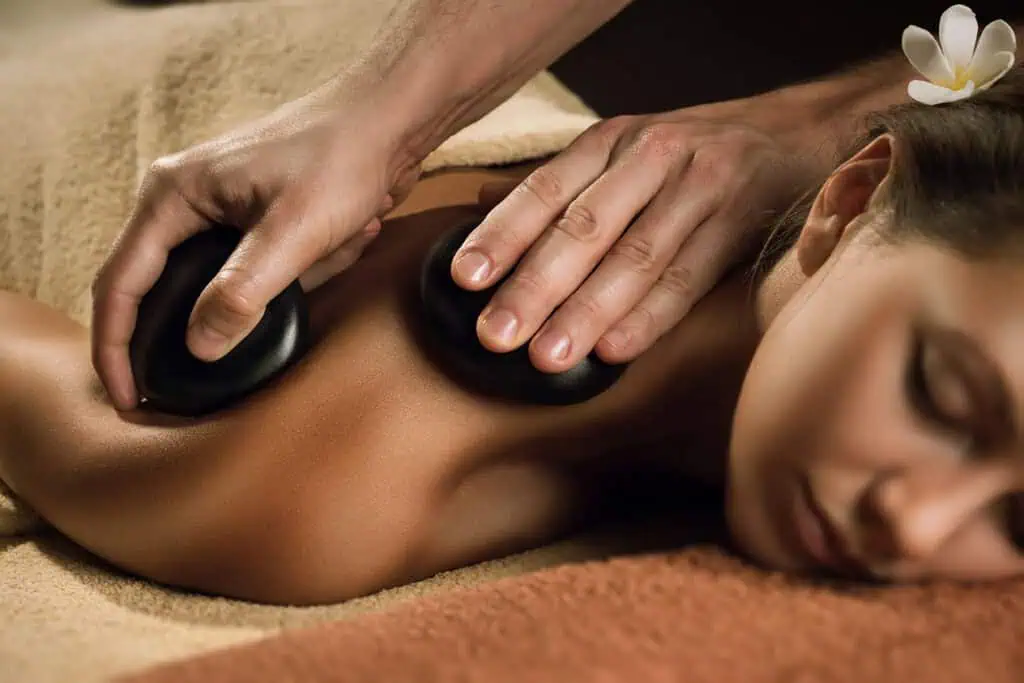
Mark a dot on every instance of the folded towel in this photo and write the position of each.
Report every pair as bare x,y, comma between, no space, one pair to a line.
86,115
695,616
87,106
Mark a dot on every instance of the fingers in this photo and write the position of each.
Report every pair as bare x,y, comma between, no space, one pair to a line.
501,239
287,242
133,267
564,257
693,272
633,265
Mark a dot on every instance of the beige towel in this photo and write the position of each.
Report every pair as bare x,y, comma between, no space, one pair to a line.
84,113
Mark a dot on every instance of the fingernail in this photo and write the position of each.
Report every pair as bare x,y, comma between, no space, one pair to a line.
473,267
207,343
554,345
500,325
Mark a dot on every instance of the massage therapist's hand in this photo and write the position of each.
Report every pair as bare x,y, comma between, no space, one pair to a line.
306,185
622,233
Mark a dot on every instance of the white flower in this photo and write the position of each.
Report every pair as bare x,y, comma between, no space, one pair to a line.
959,63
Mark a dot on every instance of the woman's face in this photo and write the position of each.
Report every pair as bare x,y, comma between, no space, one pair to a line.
880,430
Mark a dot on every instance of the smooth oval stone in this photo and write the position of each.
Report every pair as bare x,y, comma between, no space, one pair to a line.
174,381
451,313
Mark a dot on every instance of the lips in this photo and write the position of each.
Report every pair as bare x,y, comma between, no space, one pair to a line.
818,537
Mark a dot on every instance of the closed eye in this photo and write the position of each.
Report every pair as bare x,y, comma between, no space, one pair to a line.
920,391
943,392
1015,519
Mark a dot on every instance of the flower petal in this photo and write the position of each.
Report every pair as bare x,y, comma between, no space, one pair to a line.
925,55
929,93
997,37
958,33
990,70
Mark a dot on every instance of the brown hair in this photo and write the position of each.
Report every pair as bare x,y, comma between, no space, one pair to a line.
957,174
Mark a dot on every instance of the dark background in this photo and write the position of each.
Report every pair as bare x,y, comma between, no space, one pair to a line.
666,54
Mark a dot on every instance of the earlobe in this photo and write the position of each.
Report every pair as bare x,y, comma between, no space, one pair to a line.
847,195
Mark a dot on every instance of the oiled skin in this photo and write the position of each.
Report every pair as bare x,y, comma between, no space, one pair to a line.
364,466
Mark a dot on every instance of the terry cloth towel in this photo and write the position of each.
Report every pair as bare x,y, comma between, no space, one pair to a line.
87,114
87,106
695,616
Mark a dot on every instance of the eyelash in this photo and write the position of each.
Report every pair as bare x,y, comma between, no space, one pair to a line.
920,395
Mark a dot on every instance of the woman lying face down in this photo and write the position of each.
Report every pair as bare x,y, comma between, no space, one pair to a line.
865,398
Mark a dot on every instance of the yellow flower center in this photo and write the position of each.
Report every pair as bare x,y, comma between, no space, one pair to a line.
960,77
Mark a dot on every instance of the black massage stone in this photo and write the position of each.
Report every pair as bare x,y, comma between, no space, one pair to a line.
451,313
174,381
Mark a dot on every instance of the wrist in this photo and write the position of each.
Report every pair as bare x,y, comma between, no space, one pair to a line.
416,101
825,116
395,109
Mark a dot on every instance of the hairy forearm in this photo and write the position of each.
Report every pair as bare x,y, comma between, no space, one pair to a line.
446,63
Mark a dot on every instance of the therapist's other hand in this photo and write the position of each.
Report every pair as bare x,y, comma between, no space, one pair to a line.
622,233
307,186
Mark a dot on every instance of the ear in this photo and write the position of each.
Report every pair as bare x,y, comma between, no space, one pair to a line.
847,194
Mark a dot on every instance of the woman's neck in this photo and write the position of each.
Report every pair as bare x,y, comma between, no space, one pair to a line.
677,400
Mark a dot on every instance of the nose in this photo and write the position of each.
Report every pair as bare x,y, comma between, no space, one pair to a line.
909,514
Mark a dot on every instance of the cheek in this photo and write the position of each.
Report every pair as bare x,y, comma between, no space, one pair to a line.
822,391
827,374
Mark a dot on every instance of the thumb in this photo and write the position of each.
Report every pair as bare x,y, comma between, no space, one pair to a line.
268,258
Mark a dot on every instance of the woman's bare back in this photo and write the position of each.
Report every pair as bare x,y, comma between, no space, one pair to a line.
365,465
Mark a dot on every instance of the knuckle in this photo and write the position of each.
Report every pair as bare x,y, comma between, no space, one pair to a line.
711,167
544,185
583,307
163,172
531,283
326,235
677,281
607,132
530,294
638,252
231,293
499,240
579,222
658,140
643,325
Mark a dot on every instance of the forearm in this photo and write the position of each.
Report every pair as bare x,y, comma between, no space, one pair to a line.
828,113
446,63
